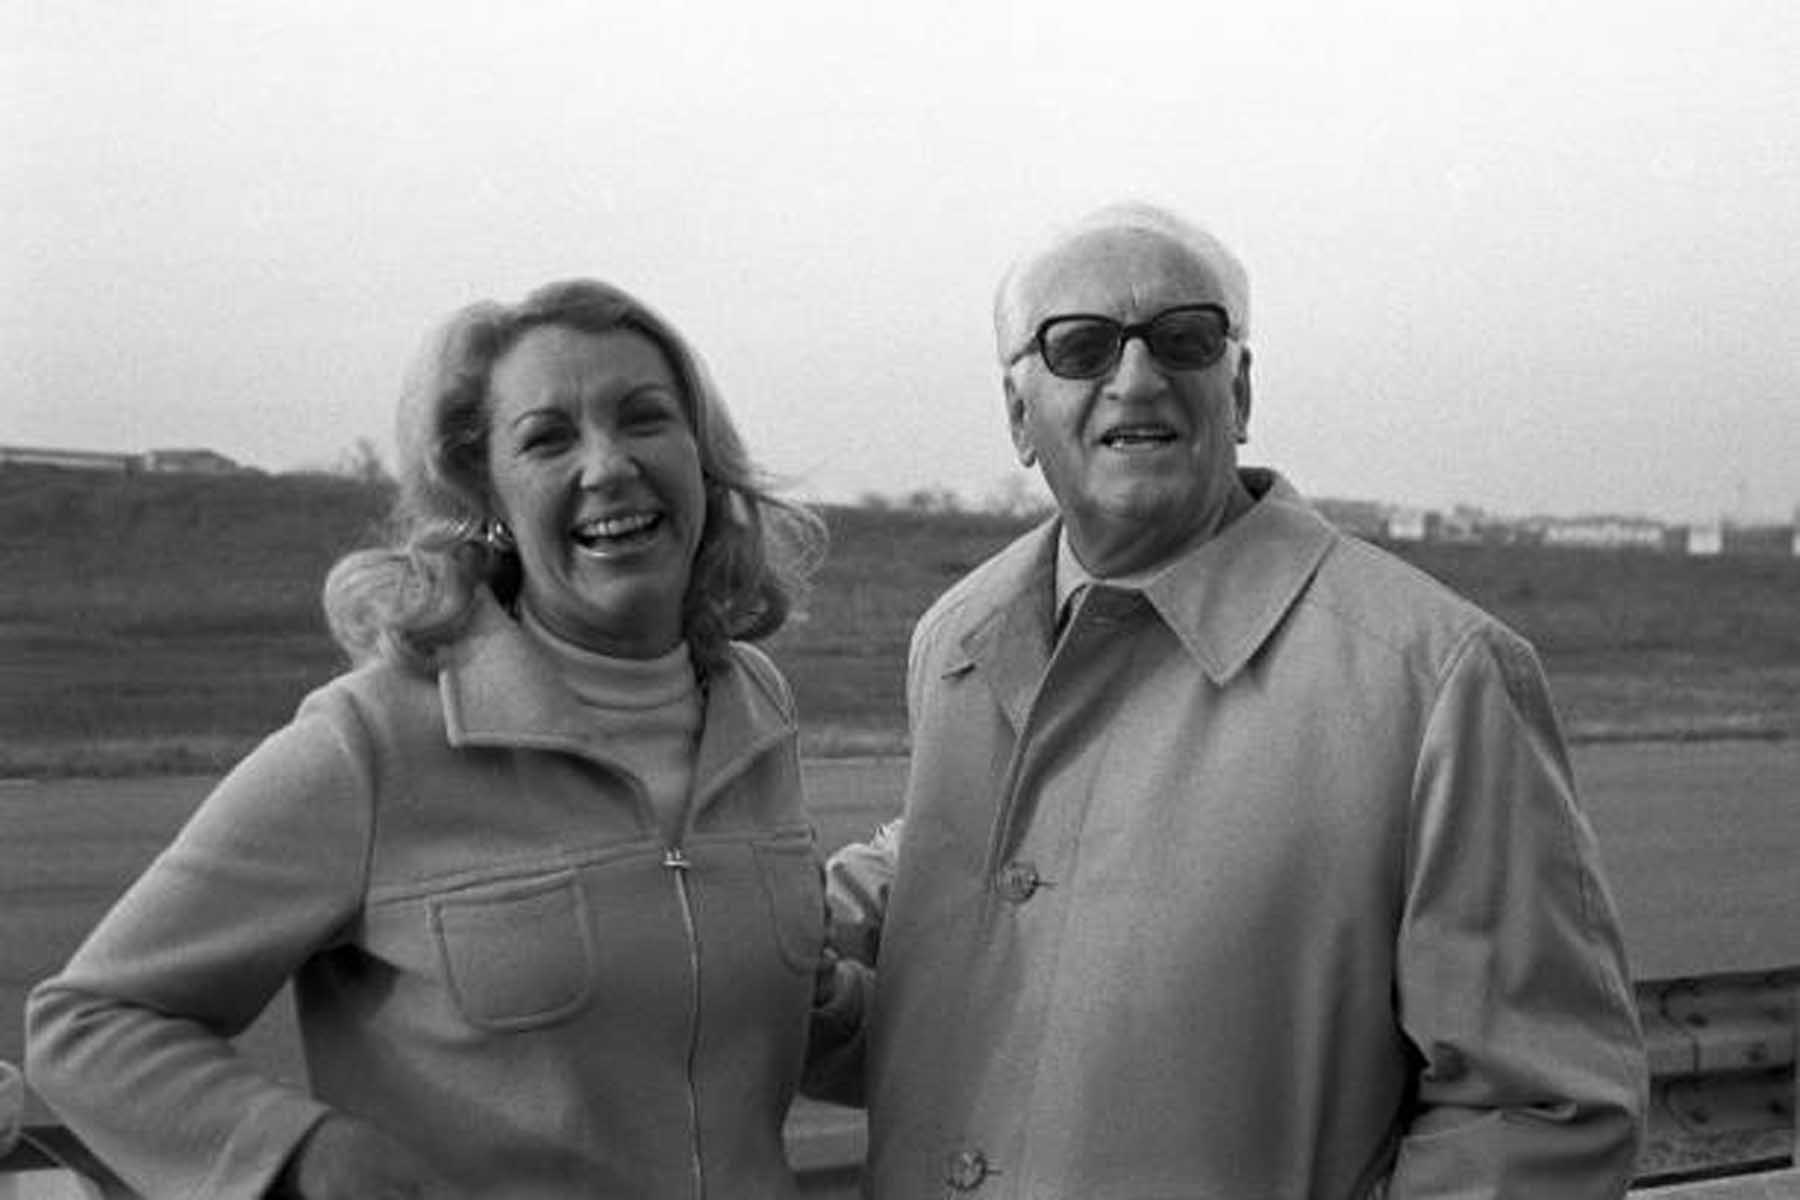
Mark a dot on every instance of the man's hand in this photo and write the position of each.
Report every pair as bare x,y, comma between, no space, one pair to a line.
347,1159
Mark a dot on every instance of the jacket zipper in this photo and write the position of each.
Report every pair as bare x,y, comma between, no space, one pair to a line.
678,863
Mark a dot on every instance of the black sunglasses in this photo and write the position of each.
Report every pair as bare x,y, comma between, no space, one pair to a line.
1085,346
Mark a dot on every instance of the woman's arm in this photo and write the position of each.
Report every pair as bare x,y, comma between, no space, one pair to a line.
130,1043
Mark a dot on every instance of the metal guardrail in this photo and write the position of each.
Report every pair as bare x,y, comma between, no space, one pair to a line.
1775,1185
1722,1123
48,1163
1723,1092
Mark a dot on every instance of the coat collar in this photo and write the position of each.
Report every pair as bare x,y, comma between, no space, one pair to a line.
499,690
1223,599
1227,596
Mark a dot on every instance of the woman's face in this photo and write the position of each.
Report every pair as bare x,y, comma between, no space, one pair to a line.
595,468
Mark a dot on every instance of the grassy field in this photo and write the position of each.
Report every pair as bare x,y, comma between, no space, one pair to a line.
163,623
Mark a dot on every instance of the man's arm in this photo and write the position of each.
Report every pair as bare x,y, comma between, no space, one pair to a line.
857,881
1512,982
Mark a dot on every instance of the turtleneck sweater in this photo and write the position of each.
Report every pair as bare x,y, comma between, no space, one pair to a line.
646,715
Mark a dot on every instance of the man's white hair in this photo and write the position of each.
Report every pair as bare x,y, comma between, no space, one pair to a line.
1208,250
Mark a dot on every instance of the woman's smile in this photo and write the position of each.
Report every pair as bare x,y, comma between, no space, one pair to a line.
618,535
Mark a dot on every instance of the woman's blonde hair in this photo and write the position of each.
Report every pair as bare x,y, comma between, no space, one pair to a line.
408,599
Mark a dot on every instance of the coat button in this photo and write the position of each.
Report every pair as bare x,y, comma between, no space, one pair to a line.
1019,881
966,1169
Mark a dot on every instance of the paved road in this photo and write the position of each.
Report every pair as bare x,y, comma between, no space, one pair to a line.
1701,841
1702,844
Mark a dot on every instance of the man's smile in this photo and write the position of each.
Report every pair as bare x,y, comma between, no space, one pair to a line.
1140,436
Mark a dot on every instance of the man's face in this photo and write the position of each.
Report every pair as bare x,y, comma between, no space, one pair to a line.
1143,459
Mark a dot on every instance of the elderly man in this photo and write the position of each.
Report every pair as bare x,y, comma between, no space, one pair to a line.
1239,859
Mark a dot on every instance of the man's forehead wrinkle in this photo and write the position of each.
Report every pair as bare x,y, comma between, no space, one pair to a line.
1139,294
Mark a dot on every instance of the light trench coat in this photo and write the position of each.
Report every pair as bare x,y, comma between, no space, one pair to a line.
497,957
1267,883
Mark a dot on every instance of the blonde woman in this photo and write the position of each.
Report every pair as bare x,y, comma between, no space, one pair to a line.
537,866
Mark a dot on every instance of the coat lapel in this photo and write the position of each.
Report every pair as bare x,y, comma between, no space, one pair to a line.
1010,647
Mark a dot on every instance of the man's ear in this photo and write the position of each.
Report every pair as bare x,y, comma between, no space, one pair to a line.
1015,419
1240,395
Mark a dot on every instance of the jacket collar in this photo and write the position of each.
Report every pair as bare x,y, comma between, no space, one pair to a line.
499,690
1222,599
1225,597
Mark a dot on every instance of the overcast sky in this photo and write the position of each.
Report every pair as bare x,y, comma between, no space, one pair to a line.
1534,256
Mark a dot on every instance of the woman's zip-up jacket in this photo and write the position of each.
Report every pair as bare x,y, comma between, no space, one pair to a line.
496,957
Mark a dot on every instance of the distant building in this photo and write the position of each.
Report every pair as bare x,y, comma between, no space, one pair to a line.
1407,524
1463,523
68,460
188,462
1612,533
1704,541
1360,518
1776,540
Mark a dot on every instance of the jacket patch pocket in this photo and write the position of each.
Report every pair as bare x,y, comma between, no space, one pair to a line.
516,955
793,883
